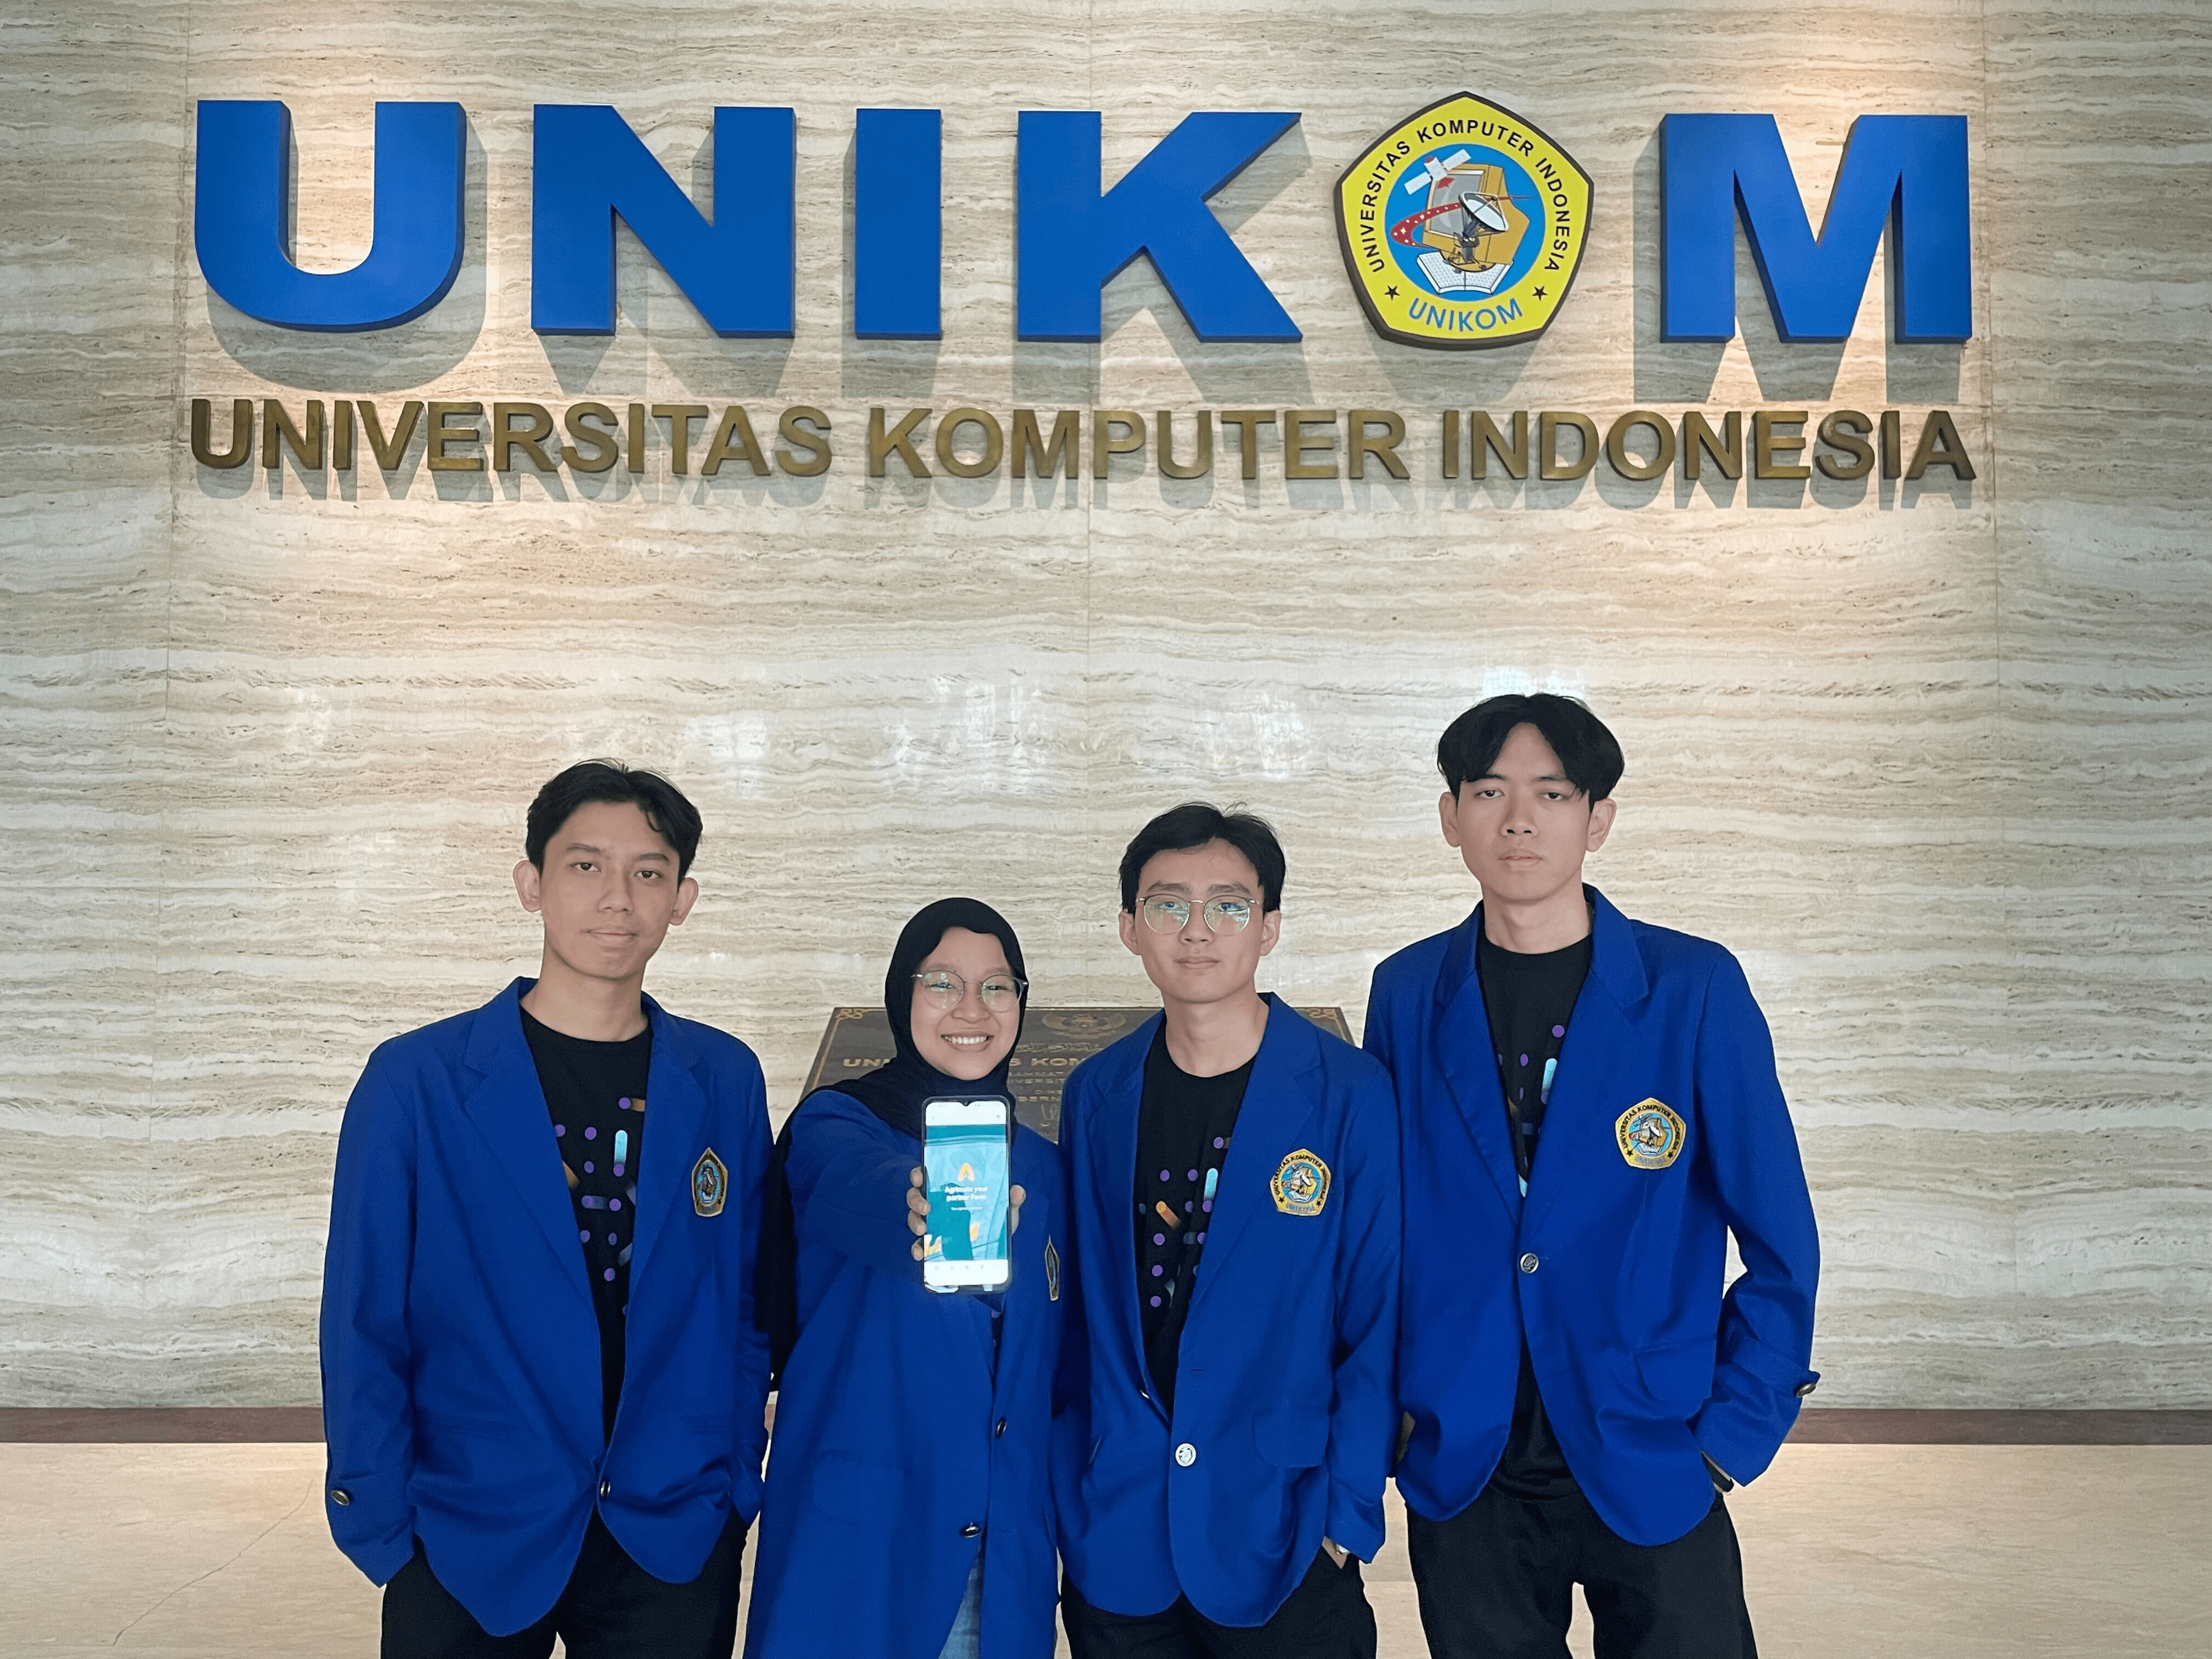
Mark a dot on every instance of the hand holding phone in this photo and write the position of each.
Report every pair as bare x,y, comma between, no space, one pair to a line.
964,1207
917,1208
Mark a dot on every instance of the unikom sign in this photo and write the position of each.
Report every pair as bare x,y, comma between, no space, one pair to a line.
1460,226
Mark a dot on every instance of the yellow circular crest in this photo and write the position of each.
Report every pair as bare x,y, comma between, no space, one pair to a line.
1463,226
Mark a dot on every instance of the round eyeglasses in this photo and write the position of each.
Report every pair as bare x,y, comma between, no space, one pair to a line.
947,990
1164,915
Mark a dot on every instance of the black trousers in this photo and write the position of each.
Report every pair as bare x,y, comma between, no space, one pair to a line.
612,1608
1496,1582
1327,1617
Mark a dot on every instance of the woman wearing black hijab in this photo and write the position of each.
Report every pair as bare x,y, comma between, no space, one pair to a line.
908,1513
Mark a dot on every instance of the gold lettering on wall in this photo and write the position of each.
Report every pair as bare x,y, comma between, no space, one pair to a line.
948,437
444,434
807,429
240,449
1782,446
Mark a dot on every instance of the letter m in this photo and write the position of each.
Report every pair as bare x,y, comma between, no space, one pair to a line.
589,169
1906,171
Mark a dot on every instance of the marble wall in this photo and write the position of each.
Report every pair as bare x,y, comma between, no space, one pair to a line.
1930,757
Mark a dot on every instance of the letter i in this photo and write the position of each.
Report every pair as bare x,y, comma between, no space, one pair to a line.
898,223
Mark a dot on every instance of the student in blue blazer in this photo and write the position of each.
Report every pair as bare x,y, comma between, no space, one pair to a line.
909,1509
542,1380
1226,1413
1591,1109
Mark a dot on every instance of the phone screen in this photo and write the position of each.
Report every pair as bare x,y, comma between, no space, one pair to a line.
966,1164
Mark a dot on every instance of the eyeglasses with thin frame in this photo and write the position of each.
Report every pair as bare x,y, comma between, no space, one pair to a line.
1164,913
947,990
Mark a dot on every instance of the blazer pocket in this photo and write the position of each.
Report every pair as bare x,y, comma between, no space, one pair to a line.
716,1424
1291,1440
854,1490
1678,1375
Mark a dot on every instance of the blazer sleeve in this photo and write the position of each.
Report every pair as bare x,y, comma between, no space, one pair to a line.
1363,1413
848,1188
368,1363
1751,1153
750,1416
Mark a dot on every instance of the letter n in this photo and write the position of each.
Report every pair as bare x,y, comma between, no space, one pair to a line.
242,217
589,167
1070,240
1909,171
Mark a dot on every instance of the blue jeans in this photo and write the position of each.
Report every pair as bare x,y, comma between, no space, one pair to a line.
966,1641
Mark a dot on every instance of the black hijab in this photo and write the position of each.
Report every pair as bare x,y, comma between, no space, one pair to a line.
895,1091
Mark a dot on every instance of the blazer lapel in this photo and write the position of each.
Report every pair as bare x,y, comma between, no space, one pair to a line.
508,1105
1469,1064
1597,1033
1113,1140
676,1115
1278,1103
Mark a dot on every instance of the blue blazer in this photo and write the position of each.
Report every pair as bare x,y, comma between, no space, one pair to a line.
461,1353
1611,1268
1284,1412
896,1440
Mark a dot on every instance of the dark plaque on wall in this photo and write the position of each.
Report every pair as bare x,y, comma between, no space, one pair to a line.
1054,1041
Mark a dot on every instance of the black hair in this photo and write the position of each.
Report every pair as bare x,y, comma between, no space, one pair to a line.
673,818
1588,753
1183,829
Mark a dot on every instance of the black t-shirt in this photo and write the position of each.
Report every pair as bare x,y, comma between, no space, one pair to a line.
595,1093
1531,999
1184,1125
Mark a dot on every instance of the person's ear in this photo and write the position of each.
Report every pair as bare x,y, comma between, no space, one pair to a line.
1448,814
1271,929
1600,822
687,895
1129,932
529,886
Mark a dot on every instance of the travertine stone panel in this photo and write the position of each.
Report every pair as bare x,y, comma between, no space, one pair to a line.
1928,756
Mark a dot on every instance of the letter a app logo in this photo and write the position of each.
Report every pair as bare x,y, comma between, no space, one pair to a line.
1463,226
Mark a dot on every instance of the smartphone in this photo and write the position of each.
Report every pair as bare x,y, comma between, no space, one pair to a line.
967,1165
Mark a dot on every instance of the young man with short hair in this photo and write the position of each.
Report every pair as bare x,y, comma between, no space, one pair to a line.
1223,1428
542,1383
1590,1109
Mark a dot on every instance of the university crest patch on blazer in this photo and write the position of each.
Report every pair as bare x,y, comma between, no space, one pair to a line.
1649,1134
1301,1183
710,1183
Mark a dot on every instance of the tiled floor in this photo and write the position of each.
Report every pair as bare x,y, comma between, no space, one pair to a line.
218,1551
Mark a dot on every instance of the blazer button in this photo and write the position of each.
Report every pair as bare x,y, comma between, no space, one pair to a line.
971,1530
1186,1454
606,1488
997,1428
1804,1388
1529,1263
341,1496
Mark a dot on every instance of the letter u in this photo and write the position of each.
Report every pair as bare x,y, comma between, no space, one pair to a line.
242,217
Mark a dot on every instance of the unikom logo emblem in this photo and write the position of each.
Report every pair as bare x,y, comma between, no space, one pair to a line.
1463,225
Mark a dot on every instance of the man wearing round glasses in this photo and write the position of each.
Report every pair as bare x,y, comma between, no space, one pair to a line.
1226,1412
